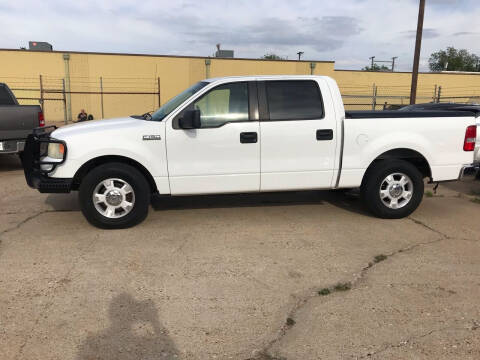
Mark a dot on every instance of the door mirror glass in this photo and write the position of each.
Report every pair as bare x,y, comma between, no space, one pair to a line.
190,120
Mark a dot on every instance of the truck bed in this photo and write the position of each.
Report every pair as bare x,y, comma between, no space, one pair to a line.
361,114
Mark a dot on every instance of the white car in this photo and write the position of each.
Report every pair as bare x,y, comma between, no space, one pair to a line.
250,134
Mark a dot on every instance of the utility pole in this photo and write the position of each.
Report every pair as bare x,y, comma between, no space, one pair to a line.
393,63
373,61
300,53
418,46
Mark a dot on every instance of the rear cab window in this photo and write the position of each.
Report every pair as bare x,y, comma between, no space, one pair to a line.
294,100
5,97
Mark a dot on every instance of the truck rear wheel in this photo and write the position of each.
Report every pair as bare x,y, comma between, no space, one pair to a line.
392,189
114,196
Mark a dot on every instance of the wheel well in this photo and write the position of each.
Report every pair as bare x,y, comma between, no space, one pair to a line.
89,165
412,156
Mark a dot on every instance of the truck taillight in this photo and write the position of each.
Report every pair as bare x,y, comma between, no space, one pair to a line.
41,119
470,138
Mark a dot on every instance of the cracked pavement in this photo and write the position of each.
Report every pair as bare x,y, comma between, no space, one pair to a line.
218,277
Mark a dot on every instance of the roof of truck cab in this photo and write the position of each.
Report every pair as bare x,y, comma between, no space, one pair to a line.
264,77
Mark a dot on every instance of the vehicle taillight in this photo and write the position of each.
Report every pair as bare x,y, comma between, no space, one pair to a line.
470,138
41,119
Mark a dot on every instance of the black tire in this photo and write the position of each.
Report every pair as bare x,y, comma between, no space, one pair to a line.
372,182
116,170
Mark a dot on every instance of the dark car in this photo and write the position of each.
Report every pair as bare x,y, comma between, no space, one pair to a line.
16,121
475,108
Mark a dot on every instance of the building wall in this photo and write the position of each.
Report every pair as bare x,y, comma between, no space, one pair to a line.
394,88
140,73
448,81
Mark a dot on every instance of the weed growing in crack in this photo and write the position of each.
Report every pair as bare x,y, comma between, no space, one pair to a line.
475,192
324,292
265,356
428,194
379,258
338,287
290,322
343,286
476,200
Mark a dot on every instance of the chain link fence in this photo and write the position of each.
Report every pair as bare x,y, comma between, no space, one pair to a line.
364,97
105,97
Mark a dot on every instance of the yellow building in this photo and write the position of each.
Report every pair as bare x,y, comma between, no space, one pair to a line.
111,85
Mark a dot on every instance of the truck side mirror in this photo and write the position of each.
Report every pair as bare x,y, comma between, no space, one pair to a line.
190,120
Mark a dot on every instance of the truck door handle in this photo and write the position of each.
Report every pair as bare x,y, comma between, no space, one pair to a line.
324,134
248,137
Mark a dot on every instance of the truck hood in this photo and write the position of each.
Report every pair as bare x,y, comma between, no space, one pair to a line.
97,126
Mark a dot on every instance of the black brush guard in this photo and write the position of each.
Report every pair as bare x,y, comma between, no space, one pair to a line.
37,170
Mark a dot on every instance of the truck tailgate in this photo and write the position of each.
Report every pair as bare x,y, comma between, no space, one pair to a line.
17,121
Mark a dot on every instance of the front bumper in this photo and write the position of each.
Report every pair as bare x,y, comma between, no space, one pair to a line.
35,150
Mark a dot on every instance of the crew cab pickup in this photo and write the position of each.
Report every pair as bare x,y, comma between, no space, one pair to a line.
250,134
16,121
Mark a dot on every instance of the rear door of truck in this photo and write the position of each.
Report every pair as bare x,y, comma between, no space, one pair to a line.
298,139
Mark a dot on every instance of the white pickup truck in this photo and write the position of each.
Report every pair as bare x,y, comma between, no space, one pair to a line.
250,134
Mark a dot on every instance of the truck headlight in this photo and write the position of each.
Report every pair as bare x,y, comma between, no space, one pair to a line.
56,150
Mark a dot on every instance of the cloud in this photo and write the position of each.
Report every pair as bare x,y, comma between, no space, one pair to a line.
428,33
321,34
348,31
463,33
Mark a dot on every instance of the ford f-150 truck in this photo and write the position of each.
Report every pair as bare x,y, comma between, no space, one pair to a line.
250,134
16,121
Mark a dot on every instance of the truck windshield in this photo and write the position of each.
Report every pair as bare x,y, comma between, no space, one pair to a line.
173,103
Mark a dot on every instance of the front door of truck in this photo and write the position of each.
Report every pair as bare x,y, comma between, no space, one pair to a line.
298,131
223,155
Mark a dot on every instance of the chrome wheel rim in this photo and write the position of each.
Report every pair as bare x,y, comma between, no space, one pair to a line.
396,190
113,198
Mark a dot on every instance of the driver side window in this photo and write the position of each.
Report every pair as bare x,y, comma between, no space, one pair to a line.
225,103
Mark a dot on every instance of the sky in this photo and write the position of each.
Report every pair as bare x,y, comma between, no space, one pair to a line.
345,31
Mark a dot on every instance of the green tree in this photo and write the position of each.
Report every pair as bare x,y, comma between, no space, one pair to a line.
272,56
376,67
452,59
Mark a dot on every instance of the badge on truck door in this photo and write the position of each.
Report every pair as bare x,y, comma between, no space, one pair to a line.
152,137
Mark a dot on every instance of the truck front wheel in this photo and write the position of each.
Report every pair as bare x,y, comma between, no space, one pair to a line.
114,196
392,189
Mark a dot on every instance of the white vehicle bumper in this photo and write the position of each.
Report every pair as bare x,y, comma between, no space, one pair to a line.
464,169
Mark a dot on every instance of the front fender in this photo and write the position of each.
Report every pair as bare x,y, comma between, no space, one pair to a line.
70,167
125,139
